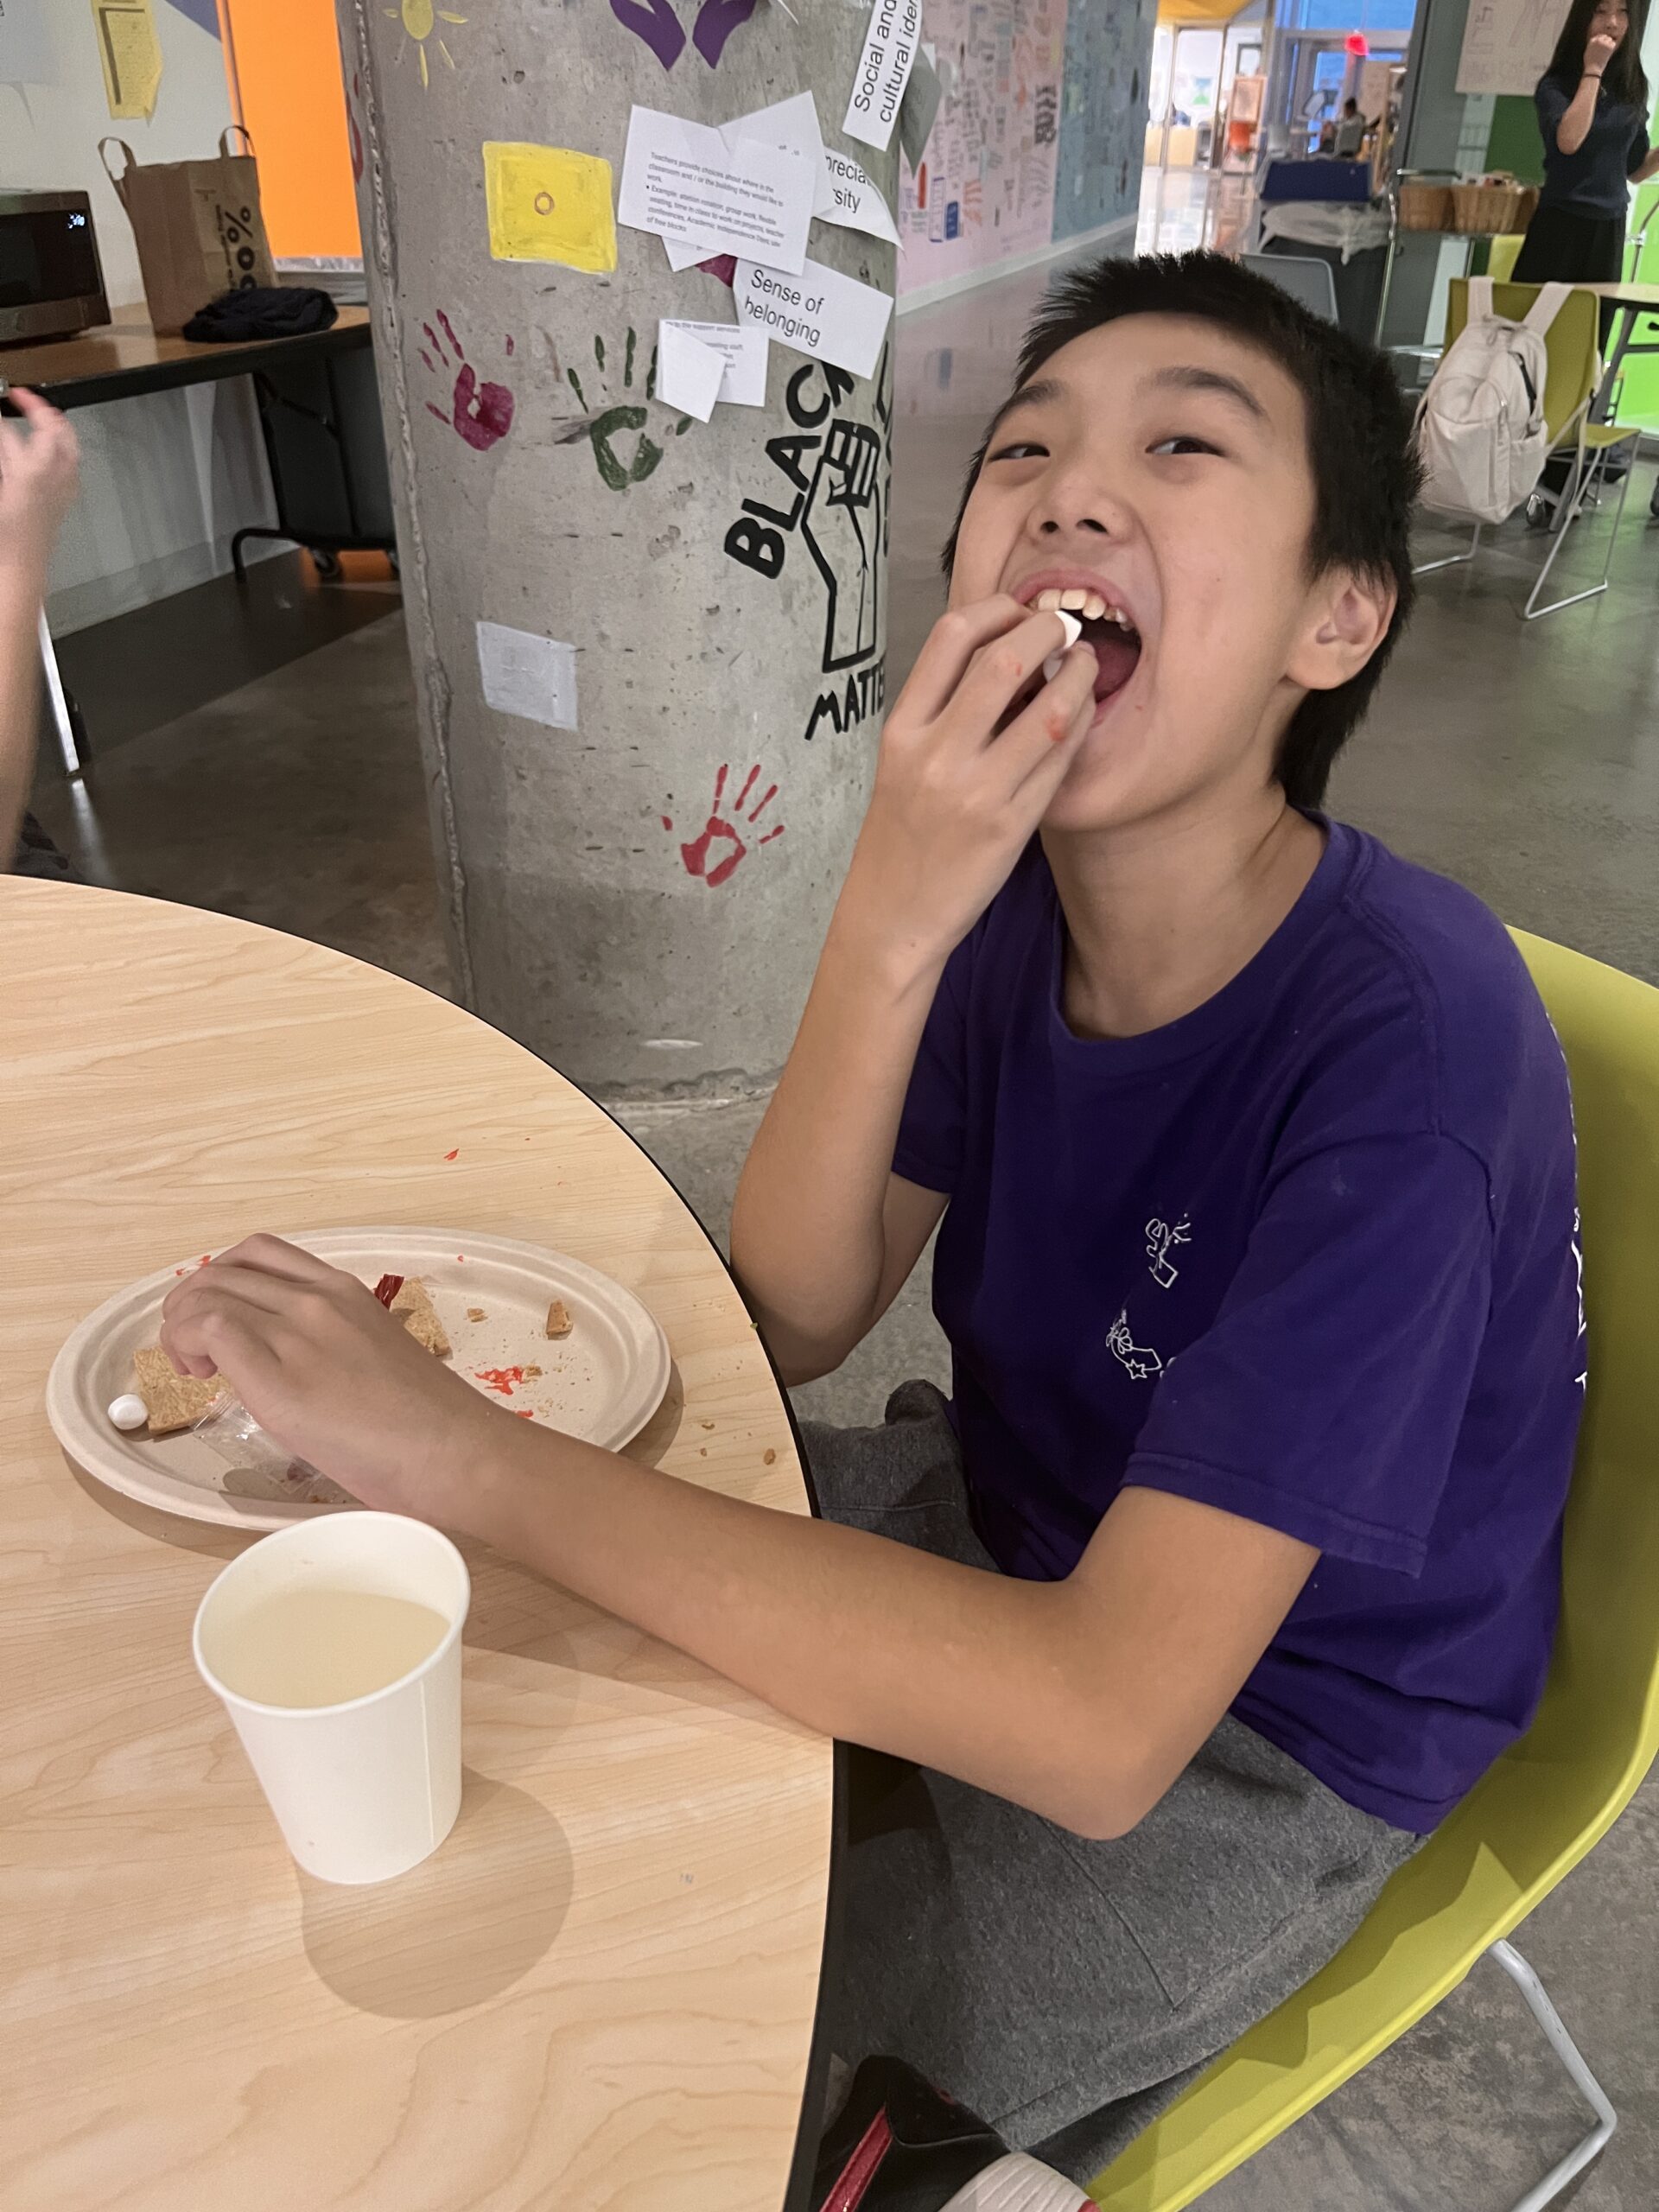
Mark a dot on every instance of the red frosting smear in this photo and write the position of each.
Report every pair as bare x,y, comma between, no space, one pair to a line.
500,1379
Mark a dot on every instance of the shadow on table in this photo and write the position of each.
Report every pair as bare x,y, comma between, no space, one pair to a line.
651,1443
206,1537
461,1928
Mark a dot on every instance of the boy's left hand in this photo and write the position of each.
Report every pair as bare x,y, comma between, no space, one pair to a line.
38,472
336,1379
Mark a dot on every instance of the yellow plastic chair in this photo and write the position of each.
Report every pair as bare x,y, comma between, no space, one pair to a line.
1502,254
1554,1794
1573,350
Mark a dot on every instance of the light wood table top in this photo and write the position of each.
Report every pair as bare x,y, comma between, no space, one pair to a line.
1629,296
597,1996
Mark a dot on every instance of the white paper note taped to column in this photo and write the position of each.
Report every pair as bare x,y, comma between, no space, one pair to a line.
527,675
833,318
743,347
683,180
883,70
689,373
854,201
793,123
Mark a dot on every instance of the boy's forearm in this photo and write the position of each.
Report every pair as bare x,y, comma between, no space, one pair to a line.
856,1636
807,1236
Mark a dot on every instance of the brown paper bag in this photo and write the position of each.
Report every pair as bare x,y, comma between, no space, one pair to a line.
197,226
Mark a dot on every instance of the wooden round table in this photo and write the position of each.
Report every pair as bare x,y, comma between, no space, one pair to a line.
598,1995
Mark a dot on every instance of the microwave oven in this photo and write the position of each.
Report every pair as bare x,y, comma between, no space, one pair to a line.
51,279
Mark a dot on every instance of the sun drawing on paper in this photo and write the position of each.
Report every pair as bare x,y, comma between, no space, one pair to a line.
420,19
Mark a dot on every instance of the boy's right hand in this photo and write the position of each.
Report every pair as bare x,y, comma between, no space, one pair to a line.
957,796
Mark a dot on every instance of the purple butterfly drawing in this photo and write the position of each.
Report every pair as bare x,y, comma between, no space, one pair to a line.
656,22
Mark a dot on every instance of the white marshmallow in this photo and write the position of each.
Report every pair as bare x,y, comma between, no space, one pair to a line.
129,1411
1073,632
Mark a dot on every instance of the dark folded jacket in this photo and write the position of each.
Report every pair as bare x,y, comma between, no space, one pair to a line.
286,311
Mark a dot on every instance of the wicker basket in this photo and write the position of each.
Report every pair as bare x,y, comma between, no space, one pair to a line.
1495,208
1425,207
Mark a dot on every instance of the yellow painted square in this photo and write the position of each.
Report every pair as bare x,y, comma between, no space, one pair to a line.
549,204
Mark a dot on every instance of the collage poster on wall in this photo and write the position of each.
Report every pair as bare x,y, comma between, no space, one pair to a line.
1506,44
984,187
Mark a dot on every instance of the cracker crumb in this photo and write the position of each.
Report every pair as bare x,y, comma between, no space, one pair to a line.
558,1318
414,1308
476,1313
532,1370
768,1458
707,1424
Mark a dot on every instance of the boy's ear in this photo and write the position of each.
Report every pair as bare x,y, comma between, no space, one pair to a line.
1348,618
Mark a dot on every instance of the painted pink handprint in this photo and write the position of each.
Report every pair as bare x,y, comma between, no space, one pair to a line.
715,851
479,413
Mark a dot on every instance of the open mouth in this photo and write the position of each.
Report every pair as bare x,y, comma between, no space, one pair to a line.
1106,628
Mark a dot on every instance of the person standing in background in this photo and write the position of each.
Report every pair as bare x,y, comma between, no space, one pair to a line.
1351,132
1593,113
38,476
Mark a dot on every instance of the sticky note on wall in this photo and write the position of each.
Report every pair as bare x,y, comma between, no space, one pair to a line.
547,203
522,673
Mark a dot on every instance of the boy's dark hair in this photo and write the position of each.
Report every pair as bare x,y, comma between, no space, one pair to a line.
1626,81
1359,445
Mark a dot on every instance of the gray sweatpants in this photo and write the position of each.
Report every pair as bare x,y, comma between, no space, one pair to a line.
1066,1990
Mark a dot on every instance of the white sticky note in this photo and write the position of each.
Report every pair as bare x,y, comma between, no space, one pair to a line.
524,674
689,373
883,69
683,180
793,123
743,347
855,202
833,318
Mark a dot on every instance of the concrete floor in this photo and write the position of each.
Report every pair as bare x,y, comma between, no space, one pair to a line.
1523,758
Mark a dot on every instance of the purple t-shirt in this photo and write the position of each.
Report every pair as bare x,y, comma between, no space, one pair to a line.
1308,1255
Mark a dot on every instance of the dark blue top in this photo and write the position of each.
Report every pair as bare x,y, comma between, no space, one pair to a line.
1307,1254
1595,180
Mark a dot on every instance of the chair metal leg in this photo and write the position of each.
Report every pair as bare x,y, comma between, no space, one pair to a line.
1532,611
1451,559
1584,2081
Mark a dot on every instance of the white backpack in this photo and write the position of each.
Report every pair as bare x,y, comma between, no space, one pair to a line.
1480,428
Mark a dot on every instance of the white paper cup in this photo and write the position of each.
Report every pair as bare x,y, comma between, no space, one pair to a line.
365,1790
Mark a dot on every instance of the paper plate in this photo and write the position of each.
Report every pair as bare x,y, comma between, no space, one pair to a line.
602,1382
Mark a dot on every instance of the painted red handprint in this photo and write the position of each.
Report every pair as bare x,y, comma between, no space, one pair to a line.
479,413
715,851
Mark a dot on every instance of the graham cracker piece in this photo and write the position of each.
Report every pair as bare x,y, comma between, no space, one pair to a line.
172,1402
558,1318
420,1318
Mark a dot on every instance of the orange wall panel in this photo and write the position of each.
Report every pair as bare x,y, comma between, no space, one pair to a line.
287,70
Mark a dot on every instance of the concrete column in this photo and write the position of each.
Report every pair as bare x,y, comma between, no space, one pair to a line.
640,898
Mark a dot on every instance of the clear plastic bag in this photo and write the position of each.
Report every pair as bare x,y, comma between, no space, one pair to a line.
257,1465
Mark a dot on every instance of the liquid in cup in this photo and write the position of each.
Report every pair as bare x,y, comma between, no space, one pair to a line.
335,1646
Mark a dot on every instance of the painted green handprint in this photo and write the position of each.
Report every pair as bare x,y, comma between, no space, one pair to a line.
609,423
